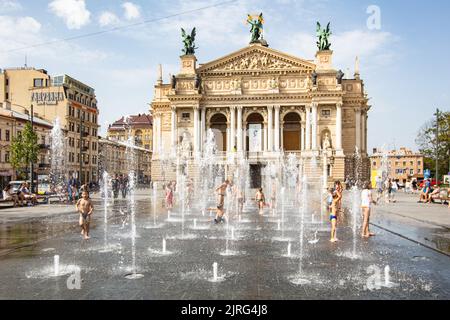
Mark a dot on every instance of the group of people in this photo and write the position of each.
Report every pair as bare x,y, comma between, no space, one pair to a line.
120,184
20,196
386,189
430,194
334,202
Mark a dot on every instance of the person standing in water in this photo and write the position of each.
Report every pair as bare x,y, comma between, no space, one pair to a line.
366,203
221,190
169,196
85,208
334,216
260,200
339,190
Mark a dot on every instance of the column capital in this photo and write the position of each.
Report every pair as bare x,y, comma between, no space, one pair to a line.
196,107
339,105
173,108
314,104
277,107
357,110
232,107
239,108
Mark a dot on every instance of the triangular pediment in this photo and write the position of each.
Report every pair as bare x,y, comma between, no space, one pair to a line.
256,58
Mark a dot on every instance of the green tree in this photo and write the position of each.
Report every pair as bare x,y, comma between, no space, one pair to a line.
24,149
428,146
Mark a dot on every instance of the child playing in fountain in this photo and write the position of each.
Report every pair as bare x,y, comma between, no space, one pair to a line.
330,199
334,215
85,208
221,190
260,200
366,202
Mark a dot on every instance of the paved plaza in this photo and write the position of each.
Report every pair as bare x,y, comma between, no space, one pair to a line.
407,259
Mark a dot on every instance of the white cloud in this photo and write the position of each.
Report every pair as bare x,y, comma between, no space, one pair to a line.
9,5
132,11
373,46
108,18
73,12
18,31
216,26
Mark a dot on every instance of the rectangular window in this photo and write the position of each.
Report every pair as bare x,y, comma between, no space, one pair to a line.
7,156
185,116
7,137
38,83
43,139
411,171
7,96
419,162
326,113
418,171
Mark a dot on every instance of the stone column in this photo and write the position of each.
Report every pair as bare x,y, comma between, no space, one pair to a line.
239,129
228,139
314,127
338,126
264,148
244,137
160,149
174,127
363,132
308,129
203,127
281,146
155,134
270,128
302,138
196,131
277,128
358,127
233,127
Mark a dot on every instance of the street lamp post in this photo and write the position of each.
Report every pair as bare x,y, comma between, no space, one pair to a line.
81,149
437,146
31,161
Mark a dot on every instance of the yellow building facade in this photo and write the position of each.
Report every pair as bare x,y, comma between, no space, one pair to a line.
261,103
12,123
140,127
63,97
402,165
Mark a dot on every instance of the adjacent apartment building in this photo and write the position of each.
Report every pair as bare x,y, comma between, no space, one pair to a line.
113,159
63,97
138,126
12,124
402,164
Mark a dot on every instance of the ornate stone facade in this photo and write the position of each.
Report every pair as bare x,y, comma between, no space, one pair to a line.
288,104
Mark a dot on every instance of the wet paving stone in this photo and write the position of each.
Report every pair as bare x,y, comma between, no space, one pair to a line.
256,266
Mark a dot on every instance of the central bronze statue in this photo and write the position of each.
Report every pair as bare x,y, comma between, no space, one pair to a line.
257,27
323,35
188,41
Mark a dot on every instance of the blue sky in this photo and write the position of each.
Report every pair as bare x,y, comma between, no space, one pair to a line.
404,63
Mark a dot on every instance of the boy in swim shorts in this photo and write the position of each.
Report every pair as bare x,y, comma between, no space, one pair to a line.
85,208
334,216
